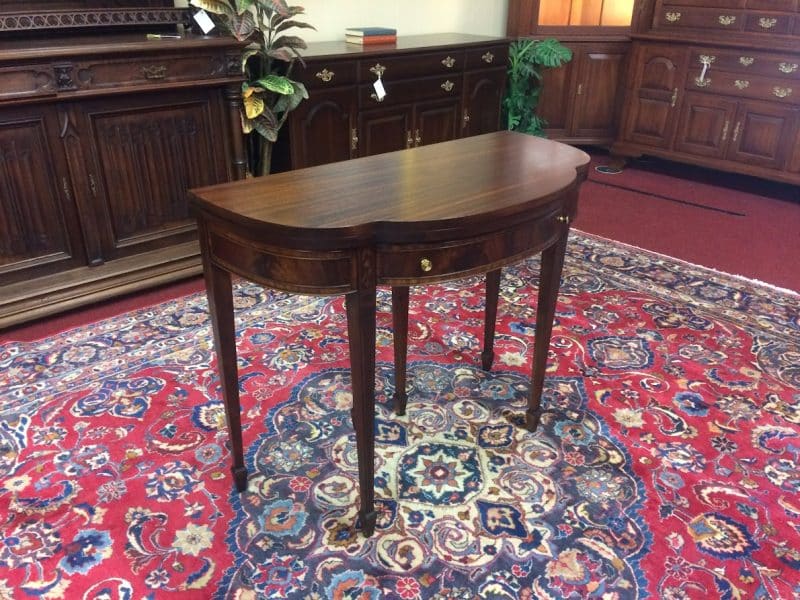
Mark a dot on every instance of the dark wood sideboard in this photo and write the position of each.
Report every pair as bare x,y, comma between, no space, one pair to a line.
716,83
438,87
102,131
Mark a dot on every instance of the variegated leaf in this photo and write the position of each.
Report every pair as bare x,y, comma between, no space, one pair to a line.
289,24
267,125
247,55
289,41
242,26
280,7
243,5
253,106
276,83
247,124
218,7
281,54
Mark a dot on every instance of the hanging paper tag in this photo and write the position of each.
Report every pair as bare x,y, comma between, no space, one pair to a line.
204,21
703,72
379,90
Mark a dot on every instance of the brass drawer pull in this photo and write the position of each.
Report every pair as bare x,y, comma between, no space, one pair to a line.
741,84
674,97
767,23
377,98
703,83
447,86
782,92
746,61
154,72
417,138
563,219
465,119
488,57
378,70
673,17
65,186
725,130
727,20
787,67
736,131
325,75
426,265
409,140
449,62
354,139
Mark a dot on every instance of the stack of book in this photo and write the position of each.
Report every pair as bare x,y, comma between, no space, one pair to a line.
370,35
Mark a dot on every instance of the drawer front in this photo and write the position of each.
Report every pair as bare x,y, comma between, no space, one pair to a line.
428,262
494,56
768,23
787,5
706,3
402,92
731,84
26,81
139,71
746,63
679,17
325,74
393,68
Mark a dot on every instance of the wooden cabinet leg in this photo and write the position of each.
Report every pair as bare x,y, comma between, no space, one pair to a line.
549,280
361,332
492,293
220,303
400,332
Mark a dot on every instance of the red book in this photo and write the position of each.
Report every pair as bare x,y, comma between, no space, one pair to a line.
371,39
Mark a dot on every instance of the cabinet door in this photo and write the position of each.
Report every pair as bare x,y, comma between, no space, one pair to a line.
39,229
762,134
436,121
483,93
794,160
323,128
385,129
657,80
705,125
599,76
556,97
143,154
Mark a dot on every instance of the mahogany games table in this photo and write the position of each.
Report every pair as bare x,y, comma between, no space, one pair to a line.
411,217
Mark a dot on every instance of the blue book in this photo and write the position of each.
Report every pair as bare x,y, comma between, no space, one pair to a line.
369,31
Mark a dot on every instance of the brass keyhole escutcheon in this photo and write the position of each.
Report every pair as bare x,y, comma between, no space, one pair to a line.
426,264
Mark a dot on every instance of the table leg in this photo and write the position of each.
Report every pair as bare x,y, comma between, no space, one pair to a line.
361,333
400,332
220,303
492,293
549,281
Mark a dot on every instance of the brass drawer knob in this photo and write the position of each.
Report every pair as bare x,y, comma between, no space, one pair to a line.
378,70
787,67
767,23
448,86
782,92
726,20
673,17
325,75
426,265
741,84
488,57
449,62
563,219
746,61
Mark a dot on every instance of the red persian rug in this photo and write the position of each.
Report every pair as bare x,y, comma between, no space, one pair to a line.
665,466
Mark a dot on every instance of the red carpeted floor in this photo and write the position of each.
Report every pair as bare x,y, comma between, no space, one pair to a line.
739,225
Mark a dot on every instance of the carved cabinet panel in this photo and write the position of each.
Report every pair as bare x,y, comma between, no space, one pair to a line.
483,95
762,134
323,128
706,125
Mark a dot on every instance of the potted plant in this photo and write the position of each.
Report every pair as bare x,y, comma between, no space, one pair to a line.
268,93
525,60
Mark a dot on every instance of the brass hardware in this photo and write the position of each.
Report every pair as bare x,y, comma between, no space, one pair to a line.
354,139
426,265
580,89
707,60
787,67
725,130
727,20
377,98
447,86
702,82
674,98
409,140
746,60
378,70
767,23
782,92
563,219
325,75
741,83
465,119
488,57
92,185
449,62
736,131
673,17
67,191
154,72
417,138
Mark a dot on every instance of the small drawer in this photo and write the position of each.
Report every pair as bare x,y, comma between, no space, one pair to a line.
494,56
393,68
732,84
429,262
26,81
400,92
787,5
768,23
701,18
746,63
325,74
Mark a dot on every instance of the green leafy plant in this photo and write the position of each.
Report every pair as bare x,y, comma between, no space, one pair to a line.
525,61
268,94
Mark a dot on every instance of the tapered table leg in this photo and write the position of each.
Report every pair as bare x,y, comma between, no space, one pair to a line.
400,332
361,332
220,303
549,280
492,293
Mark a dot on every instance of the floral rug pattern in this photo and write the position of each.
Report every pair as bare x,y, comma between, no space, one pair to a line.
665,465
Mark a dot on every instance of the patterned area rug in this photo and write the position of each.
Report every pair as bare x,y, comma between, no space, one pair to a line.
665,466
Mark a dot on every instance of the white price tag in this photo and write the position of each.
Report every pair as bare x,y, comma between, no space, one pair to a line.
379,90
204,21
